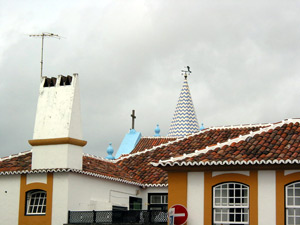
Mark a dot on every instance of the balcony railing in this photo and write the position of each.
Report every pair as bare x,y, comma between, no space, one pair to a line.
118,217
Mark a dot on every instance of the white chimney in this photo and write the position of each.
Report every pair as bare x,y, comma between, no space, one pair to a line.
57,138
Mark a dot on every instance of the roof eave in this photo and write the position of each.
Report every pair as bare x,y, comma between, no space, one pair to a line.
67,170
230,167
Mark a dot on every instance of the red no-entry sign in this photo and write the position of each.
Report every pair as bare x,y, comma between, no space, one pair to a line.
177,215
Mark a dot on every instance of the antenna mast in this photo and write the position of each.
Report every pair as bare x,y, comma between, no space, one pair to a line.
43,35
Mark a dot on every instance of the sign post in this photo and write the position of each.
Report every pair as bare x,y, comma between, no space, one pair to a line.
177,215
171,216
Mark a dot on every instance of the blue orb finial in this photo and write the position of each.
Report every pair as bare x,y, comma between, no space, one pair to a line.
110,151
202,127
157,131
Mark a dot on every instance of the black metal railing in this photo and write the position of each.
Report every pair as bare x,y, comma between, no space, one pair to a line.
118,217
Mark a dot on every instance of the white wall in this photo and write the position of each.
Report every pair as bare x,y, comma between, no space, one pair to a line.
57,156
9,199
60,198
90,193
216,173
77,192
287,172
36,178
195,198
266,197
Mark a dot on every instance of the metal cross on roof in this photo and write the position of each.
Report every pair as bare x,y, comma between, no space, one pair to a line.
133,118
186,72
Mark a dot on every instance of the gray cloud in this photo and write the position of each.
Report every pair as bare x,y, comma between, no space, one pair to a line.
244,57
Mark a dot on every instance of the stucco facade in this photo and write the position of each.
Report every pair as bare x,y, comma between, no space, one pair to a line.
244,174
267,194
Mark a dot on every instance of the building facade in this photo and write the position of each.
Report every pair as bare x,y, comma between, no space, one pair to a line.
253,179
246,174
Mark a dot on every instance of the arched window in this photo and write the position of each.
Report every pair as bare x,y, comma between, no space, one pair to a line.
231,203
292,203
36,202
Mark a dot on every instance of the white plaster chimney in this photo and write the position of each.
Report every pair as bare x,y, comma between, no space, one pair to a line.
57,138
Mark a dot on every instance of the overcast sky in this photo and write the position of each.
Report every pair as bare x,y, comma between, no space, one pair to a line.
244,57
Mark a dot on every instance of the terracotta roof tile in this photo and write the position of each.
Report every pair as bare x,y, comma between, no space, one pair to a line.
140,163
150,142
16,162
105,168
136,167
279,143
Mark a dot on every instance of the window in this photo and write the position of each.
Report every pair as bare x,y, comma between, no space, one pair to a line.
231,204
135,203
157,201
292,203
36,202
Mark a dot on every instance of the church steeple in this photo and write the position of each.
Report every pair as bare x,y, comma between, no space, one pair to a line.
184,121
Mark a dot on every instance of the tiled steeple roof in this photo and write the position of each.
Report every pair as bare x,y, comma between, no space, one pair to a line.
184,120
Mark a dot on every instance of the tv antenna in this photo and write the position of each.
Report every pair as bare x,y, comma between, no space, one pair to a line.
186,72
43,35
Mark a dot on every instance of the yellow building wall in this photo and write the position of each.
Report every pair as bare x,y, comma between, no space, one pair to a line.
33,219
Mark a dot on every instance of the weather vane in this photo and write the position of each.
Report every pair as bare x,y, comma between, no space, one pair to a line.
186,72
43,35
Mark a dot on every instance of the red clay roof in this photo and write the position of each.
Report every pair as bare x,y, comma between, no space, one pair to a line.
106,168
149,142
18,162
136,167
139,164
22,162
279,143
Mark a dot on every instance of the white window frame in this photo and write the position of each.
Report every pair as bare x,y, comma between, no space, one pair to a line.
227,205
292,203
163,199
36,202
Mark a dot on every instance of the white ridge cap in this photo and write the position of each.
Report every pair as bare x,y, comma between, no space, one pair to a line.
98,157
161,137
240,126
15,155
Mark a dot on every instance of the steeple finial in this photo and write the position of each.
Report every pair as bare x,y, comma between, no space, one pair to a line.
202,126
157,131
184,121
110,151
186,72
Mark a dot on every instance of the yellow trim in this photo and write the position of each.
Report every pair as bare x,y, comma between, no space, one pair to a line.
251,181
35,220
281,181
177,189
57,141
